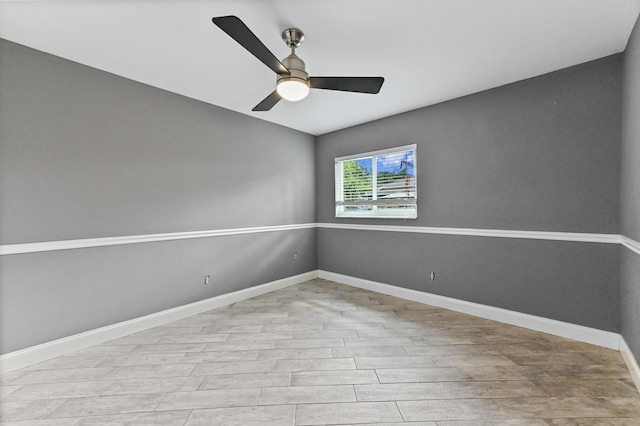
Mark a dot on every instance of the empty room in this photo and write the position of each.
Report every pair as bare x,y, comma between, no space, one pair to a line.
356,212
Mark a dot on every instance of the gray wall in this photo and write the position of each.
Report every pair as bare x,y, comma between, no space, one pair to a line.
542,154
630,190
88,154
567,281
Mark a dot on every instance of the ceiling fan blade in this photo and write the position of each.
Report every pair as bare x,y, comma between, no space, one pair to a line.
348,84
268,102
237,30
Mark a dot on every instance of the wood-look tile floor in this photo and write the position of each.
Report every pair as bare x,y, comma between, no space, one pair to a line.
322,353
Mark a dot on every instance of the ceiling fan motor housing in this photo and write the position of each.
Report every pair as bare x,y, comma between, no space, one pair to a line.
296,67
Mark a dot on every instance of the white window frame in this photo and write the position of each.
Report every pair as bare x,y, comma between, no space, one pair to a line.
374,212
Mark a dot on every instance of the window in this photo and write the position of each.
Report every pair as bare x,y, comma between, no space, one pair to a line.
379,184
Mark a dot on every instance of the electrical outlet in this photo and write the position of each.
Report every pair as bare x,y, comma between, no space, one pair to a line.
295,255
432,276
207,280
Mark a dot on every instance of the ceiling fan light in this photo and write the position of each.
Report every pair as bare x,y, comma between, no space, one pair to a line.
292,89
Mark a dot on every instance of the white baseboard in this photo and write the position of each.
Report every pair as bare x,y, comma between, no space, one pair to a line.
593,336
631,362
35,354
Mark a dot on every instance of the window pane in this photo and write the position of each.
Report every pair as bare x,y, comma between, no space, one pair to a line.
396,175
357,180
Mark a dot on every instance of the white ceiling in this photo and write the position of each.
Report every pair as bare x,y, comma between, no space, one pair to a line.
428,51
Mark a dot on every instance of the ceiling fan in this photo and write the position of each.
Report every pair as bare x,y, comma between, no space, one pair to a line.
293,82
